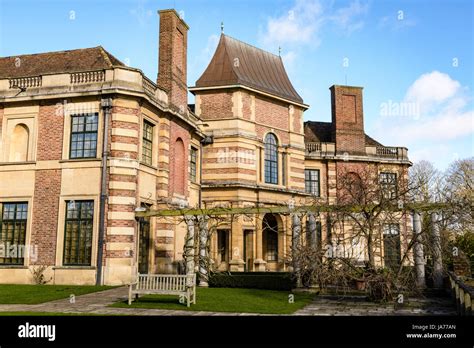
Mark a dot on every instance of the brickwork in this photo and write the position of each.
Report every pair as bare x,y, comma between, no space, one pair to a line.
45,214
216,105
172,67
348,120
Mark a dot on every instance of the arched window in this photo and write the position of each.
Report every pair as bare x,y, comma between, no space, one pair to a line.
271,159
19,144
179,167
270,237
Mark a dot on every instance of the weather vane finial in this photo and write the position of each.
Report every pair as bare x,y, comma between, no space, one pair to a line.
222,27
279,50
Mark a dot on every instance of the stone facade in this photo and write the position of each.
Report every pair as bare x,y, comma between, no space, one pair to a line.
157,159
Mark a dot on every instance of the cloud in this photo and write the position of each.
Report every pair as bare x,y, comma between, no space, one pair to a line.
348,18
431,89
446,118
299,25
302,24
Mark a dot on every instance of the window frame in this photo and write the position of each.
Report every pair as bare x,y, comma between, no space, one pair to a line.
388,186
20,241
310,183
147,159
271,159
80,220
193,164
84,132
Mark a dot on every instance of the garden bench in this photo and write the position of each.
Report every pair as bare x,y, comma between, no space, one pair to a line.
164,284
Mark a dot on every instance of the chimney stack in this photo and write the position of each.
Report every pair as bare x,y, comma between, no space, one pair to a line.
172,61
347,120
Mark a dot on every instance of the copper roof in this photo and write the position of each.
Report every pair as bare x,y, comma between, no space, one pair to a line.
321,132
95,58
238,63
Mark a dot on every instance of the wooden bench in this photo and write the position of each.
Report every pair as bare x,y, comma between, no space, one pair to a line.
164,284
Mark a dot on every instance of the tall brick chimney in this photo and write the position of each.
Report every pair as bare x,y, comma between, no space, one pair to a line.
172,61
347,120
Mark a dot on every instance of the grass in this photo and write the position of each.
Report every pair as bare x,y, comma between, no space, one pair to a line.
232,300
34,294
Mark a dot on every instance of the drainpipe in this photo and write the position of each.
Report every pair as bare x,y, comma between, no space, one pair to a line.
106,104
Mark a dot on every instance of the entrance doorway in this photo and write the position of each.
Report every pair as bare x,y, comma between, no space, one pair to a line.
144,245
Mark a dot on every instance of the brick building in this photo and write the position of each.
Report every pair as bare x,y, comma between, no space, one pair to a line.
86,142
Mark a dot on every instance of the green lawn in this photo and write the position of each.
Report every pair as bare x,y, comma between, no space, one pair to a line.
228,300
33,294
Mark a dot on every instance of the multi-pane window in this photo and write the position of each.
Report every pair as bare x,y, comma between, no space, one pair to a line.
84,136
272,246
78,233
271,159
13,232
311,180
388,185
147,144
193,164
391,242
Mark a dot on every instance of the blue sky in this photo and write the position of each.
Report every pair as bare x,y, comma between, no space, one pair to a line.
414,58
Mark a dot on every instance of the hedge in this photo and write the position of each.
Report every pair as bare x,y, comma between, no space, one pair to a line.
253,280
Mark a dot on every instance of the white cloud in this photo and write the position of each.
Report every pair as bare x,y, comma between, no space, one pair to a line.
298,25
432,89
347,18
302,24
446,117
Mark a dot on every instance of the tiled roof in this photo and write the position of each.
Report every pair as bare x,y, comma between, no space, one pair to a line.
321,132
238,63
85,59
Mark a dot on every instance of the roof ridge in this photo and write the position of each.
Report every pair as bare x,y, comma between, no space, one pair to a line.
49,52
104,54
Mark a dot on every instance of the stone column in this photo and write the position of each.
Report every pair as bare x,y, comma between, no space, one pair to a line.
295,242
189,245
312,237
203,252
418,251
259,261
236,262
436,247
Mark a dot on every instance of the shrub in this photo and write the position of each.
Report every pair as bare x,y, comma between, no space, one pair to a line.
252,280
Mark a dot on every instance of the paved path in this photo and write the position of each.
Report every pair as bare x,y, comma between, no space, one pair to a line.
98,302
332,305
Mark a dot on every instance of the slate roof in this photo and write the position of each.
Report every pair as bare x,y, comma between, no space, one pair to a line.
238,63
321,132
85,59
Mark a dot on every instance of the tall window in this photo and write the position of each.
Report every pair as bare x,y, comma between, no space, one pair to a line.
388,185
271,159
13,232
391,245
311,180
84,136
78,233
270,236
193,164
147,145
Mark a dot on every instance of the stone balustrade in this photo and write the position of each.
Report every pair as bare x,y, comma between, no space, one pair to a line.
324,149
463,294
